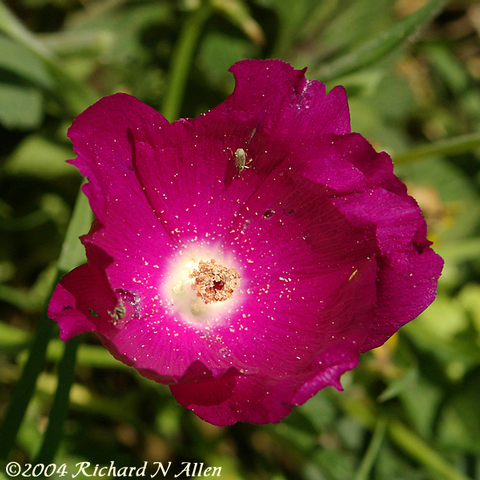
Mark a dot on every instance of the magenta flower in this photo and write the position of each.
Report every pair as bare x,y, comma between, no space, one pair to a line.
246,257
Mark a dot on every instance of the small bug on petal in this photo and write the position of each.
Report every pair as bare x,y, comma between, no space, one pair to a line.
241,160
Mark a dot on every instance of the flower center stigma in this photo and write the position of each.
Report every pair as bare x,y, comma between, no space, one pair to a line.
214,282
202,290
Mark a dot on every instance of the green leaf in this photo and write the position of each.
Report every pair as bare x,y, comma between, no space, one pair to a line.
459,251
21,106
380,47
459,197
116,26
92,356
421,401
445,318
444,60
41,158
292,16
399,385
470,299
33,299
467,406
73,252
460,425
12,338
442,329
356,21
75,95
379,102
239,14
21,76
217,53
17,59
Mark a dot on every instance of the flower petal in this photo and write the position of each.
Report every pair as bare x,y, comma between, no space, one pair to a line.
76,301
127,230
101,137
196,157
408,269
259,399
284,101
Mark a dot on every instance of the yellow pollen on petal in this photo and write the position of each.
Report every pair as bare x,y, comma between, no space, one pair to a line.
214,282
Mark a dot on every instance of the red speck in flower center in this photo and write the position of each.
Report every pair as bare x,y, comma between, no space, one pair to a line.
214,282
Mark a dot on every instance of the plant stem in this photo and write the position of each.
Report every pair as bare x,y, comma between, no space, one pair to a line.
412,444
25,387
59,410
372,450
450,146
181,60
407,440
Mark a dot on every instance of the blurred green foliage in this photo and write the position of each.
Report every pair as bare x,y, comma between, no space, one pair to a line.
411,69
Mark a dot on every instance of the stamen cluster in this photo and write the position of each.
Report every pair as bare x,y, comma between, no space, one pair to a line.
214,282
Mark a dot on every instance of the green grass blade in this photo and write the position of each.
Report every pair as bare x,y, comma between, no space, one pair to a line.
25,387
450,146
372,451
72,255
375,50
59,410
182,59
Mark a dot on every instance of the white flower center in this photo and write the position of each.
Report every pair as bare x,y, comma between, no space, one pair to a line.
201,290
